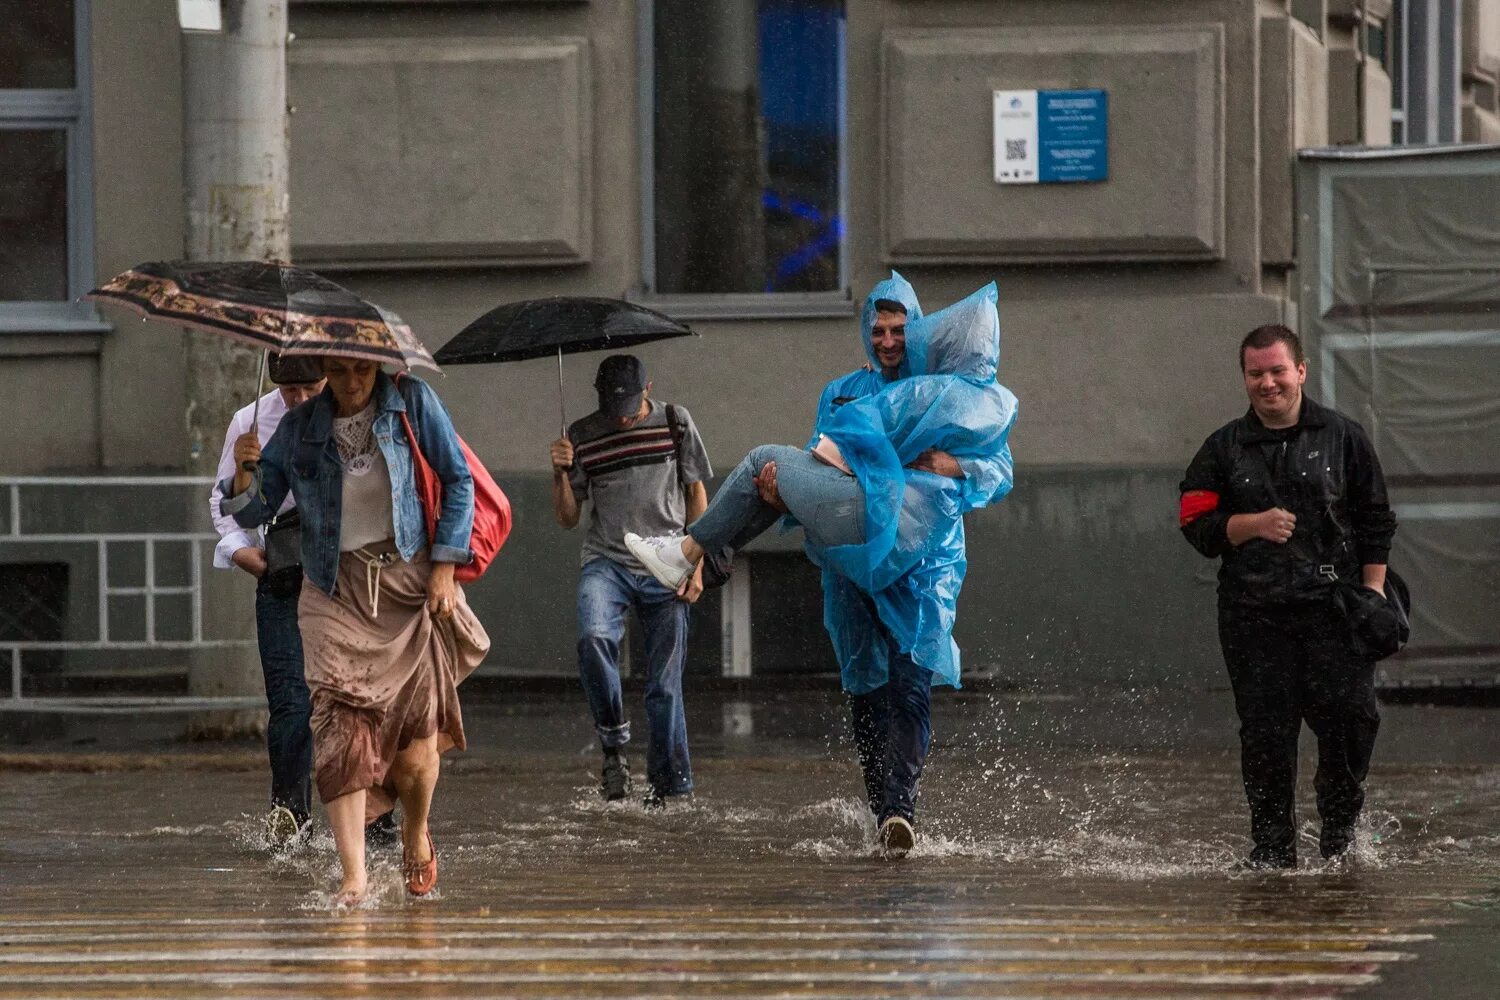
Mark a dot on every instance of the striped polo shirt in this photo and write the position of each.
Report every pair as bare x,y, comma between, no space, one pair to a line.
632,479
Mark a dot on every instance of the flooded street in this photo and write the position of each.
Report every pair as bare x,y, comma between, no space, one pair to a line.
1067,847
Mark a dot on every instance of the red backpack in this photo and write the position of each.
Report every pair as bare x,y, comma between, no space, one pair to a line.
491,507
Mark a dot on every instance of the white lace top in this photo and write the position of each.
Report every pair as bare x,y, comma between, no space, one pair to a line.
367,482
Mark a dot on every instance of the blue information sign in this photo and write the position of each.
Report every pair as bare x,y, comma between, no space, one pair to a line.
1072,135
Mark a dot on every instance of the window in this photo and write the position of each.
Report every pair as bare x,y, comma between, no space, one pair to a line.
1426,94
744,155
1396,33
46,209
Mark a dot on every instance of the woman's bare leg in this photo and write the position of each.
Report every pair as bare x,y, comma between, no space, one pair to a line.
691,550
346,815
415,773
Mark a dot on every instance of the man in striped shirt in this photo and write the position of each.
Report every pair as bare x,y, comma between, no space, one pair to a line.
643,466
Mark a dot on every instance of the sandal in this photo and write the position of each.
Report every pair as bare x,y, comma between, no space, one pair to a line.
421,877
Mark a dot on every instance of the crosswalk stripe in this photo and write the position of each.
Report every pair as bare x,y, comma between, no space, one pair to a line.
1067,952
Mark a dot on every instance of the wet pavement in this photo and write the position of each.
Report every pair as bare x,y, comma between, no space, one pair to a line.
1078,846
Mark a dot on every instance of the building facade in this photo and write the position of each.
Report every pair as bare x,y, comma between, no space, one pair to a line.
751,167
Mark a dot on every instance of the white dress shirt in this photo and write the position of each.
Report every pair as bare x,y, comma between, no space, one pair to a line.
232,537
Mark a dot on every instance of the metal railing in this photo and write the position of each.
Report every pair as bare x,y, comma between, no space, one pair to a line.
109,626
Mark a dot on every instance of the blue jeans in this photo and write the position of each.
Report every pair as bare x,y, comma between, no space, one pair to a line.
829,504
288,734
606,591
892,732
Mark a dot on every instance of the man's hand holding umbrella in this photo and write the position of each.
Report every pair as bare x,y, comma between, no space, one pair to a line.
246,458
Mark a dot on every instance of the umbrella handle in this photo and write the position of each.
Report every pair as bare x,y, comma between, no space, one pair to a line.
260,385
562,408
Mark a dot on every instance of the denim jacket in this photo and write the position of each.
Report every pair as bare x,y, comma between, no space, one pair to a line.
303,457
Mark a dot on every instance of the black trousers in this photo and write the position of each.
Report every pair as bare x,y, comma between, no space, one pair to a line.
1288,665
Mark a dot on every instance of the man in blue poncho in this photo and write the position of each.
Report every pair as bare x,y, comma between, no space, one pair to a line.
889,692
880,494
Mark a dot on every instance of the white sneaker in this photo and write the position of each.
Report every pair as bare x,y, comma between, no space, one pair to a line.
897,837
662,556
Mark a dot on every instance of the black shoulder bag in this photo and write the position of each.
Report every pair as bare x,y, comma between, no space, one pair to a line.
718,566
284,555
1379,624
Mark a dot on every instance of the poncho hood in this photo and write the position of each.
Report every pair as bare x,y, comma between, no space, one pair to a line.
896,289
961,339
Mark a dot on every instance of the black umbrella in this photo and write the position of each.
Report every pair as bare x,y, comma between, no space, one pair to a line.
539,328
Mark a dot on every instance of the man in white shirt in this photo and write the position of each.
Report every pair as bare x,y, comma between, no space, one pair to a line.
288,735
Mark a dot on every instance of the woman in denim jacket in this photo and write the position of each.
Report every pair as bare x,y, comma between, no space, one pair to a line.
386,632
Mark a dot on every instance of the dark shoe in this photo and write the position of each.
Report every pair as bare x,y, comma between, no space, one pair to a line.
897,837
657,799
1335,839
282,828
382,831
1270,859
614,783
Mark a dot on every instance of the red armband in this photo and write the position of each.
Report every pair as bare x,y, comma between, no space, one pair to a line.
1196,503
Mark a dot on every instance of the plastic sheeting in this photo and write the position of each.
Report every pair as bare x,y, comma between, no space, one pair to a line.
912,562
1400,292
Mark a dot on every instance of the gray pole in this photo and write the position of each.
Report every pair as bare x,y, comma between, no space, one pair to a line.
235,154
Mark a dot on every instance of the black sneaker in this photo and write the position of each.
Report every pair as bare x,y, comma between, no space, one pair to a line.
282,829
654,800
1335,839
1270,859
614,780
383,831
897,837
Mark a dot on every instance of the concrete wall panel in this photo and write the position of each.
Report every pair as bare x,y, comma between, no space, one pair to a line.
1481,41
1128,382
53,401
1481,125
1377,104
415,152
138,216
1343,97
1294,96
1165,196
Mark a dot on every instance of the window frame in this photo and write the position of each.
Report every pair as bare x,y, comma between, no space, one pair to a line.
726,305
69,111
1431,54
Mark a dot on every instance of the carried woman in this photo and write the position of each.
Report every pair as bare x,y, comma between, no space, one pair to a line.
386,631
867,513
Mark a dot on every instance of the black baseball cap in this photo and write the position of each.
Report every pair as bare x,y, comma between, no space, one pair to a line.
621,382
295,369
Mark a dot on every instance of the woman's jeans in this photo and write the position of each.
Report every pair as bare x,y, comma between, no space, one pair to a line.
606,593
288,735
828,504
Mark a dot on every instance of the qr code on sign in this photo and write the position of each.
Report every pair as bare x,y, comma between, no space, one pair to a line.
1015,149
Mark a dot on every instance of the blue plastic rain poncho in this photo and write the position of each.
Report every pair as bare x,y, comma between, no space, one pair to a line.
912,562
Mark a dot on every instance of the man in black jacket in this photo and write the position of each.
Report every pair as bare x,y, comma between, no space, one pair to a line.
1292,498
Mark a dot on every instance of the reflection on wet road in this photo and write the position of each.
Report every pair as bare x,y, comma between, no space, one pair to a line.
1046,868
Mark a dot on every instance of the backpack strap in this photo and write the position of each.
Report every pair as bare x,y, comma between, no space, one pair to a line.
675,428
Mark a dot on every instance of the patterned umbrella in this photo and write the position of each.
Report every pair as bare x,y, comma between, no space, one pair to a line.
268,304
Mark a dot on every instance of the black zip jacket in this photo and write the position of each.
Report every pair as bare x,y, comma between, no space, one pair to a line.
1324,470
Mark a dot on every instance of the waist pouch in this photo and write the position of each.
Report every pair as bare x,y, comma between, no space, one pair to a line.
284,555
